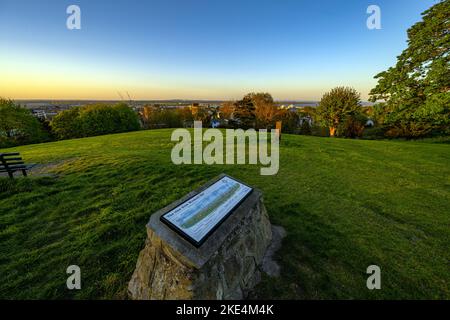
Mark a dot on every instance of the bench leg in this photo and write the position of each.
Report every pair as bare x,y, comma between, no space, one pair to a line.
10,174
24,172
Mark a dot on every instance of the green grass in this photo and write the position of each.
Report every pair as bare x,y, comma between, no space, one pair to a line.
346,204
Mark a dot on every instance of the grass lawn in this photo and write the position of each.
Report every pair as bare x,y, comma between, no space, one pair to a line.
346,204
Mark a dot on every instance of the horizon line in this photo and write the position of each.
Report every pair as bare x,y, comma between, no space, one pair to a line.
162,100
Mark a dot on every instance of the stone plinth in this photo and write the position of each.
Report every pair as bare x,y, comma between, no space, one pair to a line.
226,266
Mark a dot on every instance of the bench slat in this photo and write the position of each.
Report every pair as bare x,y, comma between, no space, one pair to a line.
9,154
12,159
15,167
13,163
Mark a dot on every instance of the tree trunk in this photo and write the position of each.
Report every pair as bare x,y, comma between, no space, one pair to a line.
332,131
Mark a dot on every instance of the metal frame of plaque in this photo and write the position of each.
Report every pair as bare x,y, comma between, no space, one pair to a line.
197,215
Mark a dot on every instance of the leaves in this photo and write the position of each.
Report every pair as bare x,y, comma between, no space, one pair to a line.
422,73
18,125
338,105
94,120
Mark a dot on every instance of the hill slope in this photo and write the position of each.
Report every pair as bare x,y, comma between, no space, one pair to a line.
345,204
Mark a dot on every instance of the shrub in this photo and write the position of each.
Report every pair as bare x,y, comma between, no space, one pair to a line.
67,124
352,126
157,117
289,121
305,128
319,131
94,120
374,133
18,125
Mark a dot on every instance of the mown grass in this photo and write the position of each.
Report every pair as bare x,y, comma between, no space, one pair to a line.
345,204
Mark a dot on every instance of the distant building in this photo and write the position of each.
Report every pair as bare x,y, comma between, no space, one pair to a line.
370,123
44,114
305,119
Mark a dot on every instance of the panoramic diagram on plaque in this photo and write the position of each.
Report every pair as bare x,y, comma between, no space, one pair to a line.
196,218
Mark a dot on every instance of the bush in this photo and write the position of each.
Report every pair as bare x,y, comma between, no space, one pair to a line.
94,120
157,117
319,131
18,126
374,133
305,128
289,121
67,124
352,126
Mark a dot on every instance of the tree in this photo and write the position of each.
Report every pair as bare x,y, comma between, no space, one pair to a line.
265,109
226,109
413,95
203,114
92,120
353,125
259,98
66,124
185,114
289,120
244,113
305,128
336,106
18,125
125,118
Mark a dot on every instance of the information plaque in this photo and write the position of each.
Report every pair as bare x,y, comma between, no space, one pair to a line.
196,218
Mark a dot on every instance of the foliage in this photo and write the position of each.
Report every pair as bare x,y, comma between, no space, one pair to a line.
203,114
158,117
18,125
185,115
319,131
289,121
352,125
226,109
307,117
374,133
93,120
67,124
255,110
305,128
337,106
265,110
244,112
414,94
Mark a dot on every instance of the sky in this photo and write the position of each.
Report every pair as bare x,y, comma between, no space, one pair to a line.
198,49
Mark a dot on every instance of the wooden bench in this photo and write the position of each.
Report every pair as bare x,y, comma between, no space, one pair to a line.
12,162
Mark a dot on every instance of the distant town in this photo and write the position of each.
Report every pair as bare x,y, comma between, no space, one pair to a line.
47,109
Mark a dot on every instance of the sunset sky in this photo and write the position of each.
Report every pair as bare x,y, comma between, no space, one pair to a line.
197,49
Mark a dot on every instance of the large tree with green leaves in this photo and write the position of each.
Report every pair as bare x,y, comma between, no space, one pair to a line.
337,106
18,125
413,96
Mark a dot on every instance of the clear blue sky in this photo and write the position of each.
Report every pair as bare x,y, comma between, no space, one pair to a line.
202,49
